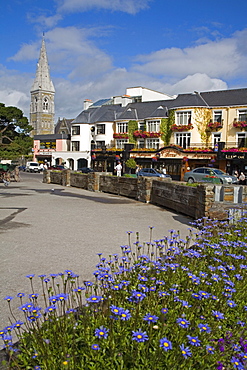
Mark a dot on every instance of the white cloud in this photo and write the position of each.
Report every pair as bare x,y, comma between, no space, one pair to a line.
26,52
218,59
127,6
14,89
81,70
45,21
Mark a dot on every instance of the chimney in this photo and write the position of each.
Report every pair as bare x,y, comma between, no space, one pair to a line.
87,104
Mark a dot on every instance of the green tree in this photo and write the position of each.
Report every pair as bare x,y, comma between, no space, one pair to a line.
131,164
14,133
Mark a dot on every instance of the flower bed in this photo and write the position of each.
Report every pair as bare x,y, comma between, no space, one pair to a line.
163,304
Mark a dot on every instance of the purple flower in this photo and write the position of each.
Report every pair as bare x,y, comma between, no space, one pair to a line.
194,341
101,332
218,315
150,318
186,352
165,344
139,336
183,323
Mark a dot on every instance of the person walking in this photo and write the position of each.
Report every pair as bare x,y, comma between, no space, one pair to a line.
241,179
118,168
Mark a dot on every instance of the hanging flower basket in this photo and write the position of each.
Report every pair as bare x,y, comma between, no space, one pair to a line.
182,127
214,126
93,157
121,136
154,159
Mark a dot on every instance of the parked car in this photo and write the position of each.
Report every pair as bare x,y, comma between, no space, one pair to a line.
85,170
202,173
57,167
22,168
151,172
33,167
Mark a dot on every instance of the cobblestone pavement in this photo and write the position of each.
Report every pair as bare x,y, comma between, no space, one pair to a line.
47,228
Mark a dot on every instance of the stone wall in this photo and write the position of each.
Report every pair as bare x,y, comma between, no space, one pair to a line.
184,199
205,200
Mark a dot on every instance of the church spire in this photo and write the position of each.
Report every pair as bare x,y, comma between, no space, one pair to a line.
42,80
42,109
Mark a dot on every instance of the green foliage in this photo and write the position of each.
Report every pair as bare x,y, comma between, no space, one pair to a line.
165,127
131,163
170,290
132,126
14,133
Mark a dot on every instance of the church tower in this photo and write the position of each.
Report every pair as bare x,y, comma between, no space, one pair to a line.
42,97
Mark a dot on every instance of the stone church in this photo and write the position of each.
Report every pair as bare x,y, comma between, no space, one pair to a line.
42,109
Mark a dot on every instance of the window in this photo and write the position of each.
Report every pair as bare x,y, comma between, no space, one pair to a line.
99,144
100,129
183,118
241,140
47,144
183,139
75,146
142,126
120,143
216,138
199,170
152,143
45,104
217,116
141,143
75,130
153,126
122,127
242,115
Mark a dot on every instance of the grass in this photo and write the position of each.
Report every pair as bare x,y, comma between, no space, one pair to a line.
163,304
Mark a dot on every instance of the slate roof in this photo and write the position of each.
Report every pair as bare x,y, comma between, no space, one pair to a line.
155,109
105,113
60,123
224,98
143,110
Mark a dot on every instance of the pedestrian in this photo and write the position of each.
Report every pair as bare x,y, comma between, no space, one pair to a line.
137,169
164,170
241,179
118,168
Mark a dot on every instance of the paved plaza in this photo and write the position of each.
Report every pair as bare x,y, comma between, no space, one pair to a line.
47,228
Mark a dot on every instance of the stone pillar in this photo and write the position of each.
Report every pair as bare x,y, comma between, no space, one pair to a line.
93,181
144,187
47,176
66,177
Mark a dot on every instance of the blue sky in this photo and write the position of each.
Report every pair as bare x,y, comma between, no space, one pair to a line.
98,48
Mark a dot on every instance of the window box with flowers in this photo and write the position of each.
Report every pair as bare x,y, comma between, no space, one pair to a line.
146,134
214,126
240,124
182,127
120,136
